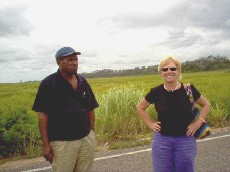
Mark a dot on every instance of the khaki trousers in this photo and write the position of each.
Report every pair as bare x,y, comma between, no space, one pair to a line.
74,156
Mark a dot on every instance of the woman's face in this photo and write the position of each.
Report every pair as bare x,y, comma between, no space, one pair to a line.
170,72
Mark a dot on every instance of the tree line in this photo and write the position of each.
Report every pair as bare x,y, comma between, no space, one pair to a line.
209,63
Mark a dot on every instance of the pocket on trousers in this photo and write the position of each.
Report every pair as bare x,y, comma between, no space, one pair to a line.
92,135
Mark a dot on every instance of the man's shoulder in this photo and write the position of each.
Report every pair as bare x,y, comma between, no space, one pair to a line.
82,79
50,78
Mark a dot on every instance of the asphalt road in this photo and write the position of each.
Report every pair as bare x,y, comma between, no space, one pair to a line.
213,156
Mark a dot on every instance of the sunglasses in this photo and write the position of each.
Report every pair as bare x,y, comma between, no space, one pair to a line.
170,68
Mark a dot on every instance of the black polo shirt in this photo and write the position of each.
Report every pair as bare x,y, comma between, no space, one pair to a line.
66,109
174,109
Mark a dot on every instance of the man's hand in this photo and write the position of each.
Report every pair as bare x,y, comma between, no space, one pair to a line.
48,153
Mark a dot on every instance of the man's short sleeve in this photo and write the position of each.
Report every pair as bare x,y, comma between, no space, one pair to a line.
92,102
42,98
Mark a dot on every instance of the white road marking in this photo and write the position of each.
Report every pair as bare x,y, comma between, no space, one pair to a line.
128,153
213,138
118,155
38,169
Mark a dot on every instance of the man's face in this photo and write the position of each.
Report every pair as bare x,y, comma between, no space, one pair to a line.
68,64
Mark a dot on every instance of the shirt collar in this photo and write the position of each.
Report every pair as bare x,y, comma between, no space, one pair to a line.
79,78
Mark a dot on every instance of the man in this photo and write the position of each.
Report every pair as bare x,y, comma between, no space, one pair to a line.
65,104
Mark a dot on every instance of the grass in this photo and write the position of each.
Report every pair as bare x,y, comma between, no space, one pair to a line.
117,122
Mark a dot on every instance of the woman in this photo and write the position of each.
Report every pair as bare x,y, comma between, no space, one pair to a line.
174,145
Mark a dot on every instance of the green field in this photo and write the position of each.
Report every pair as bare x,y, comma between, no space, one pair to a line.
116,118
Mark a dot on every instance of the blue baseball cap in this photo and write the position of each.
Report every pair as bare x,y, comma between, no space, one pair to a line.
66,51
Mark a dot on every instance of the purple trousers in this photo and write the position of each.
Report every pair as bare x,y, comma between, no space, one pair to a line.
173,154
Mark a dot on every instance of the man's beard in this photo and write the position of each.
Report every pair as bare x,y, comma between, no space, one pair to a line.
74,72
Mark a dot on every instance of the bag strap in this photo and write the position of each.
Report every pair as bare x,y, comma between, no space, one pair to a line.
188,90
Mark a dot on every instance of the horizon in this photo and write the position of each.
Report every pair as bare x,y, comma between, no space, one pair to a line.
113,34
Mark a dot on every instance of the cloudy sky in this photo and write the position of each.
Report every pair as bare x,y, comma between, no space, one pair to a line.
110,34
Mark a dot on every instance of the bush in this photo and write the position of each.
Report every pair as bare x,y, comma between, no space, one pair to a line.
117,114
17,132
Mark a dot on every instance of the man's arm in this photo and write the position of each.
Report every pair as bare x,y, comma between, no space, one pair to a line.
92,119
43,128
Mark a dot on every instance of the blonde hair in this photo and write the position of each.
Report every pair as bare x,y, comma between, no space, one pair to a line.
168,59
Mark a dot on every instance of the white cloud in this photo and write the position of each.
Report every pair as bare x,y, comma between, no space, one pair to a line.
115,34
